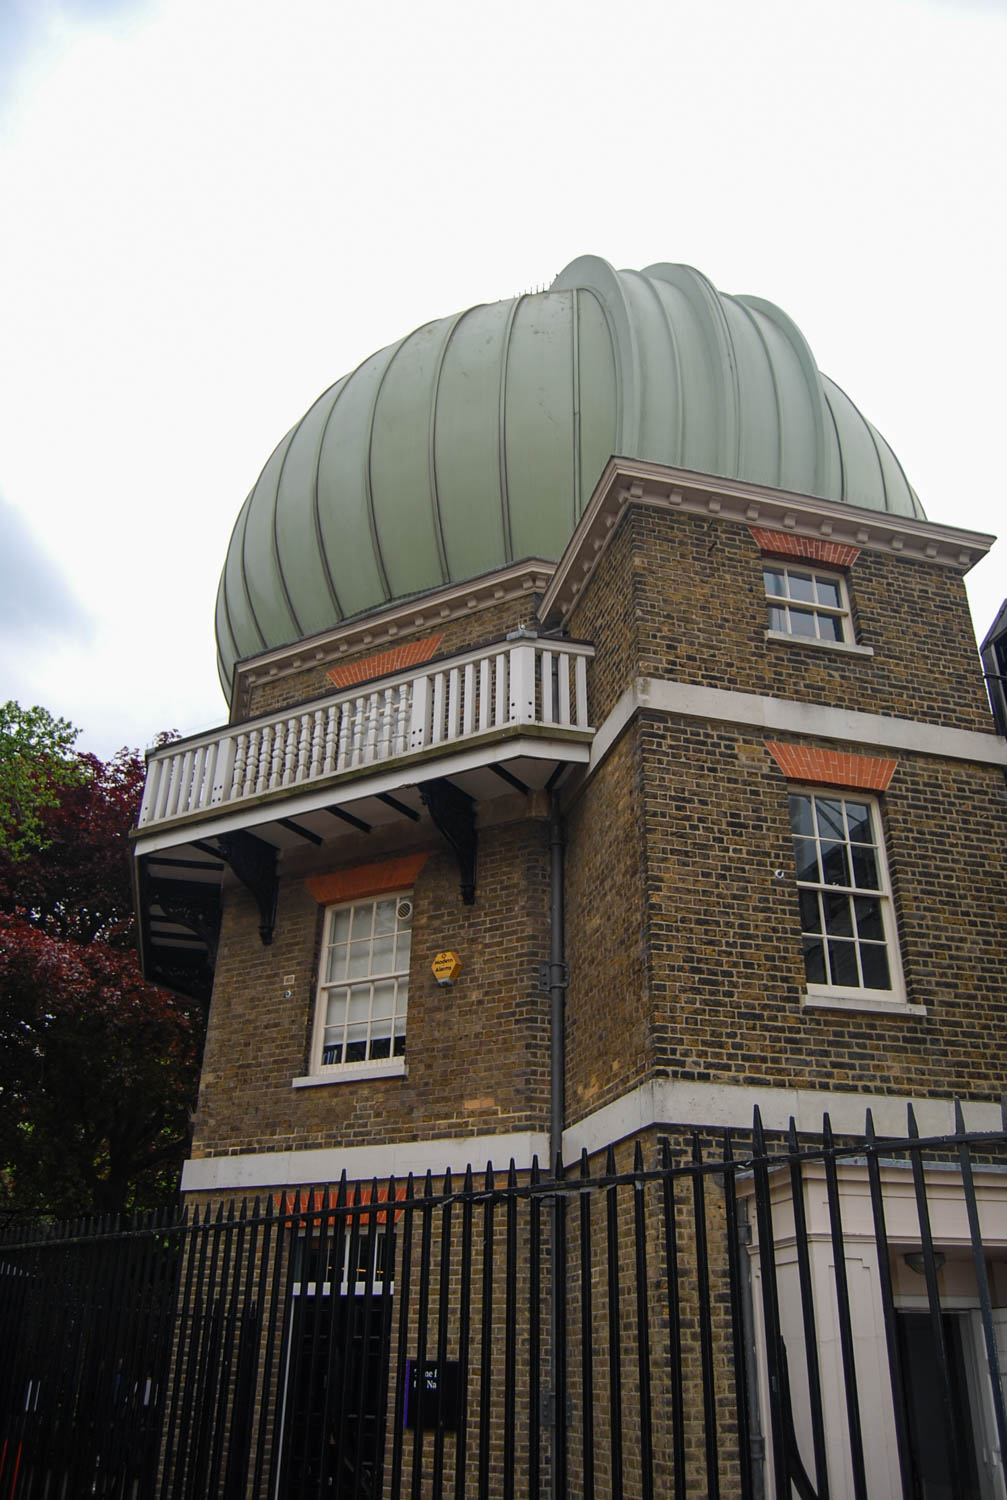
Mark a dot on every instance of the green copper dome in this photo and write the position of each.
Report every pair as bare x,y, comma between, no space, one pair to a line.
477,440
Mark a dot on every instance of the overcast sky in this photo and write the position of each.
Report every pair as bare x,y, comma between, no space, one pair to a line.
214,208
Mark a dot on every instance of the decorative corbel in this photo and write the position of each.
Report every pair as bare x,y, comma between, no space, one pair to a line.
454,815
254,863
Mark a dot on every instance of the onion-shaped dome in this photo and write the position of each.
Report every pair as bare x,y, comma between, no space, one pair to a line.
477,440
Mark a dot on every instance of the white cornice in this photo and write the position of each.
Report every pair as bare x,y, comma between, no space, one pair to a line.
381,628
630,482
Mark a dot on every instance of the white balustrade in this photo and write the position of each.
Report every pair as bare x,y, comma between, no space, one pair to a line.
443,704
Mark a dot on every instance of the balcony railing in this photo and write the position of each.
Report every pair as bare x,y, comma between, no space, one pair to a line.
446,704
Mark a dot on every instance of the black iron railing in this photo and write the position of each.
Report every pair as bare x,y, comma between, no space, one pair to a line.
733,1316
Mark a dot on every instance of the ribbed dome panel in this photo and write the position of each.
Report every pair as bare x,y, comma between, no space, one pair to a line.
477,440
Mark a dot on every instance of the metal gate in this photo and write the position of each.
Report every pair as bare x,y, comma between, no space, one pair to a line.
708,1316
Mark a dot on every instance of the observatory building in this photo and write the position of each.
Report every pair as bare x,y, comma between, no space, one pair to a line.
608,755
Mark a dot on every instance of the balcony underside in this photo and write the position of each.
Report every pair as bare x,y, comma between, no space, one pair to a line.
180,864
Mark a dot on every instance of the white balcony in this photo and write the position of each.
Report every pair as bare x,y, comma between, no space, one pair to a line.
527,690
507,718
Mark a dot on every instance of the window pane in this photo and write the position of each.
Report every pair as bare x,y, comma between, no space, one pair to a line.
383,955
777,618
865,867
843,963
802,622
869,924
800,814
858,816
811,917
838,917
828,591
335,1010
830,818
830,628
332,1052
773,579
806,859
362,921
814,961
355,1052
360,1004
340,929
403,944
835,865
802,587
359,965
399,1049
384,1000
874,957
384,916
381,1046
337,963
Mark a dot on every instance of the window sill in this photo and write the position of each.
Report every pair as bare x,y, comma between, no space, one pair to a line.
868,1001
352,1073
850,648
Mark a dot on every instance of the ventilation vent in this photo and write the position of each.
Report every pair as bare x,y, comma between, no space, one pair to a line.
404,911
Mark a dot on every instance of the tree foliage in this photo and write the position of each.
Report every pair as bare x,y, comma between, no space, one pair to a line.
98,1069
36,761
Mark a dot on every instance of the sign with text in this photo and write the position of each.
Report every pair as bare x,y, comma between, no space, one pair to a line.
431,1395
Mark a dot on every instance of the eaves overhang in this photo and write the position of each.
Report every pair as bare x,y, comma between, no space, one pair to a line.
627,482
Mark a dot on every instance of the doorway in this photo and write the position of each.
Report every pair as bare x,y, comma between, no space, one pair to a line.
945,1465
336,1376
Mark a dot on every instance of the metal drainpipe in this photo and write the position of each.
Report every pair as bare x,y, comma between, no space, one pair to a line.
557,983
557,1092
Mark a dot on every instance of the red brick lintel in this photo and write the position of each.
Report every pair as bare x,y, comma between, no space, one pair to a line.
367,880
409,654
785,544
869,773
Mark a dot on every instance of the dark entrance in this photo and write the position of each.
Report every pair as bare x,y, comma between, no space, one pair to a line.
944,1462
336,1382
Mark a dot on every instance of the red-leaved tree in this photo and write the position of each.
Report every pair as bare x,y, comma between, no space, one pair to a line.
98,1069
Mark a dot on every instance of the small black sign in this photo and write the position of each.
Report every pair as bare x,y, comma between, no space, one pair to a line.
432,1390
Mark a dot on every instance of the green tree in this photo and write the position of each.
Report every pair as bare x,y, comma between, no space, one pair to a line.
36,761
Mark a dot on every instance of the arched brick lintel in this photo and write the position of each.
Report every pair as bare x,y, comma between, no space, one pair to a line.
868,773
818,549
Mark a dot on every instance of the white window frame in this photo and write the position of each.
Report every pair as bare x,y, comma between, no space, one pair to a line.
786,602
857,997
370,1067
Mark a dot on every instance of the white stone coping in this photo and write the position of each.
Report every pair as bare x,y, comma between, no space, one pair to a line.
658,1103
786,715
